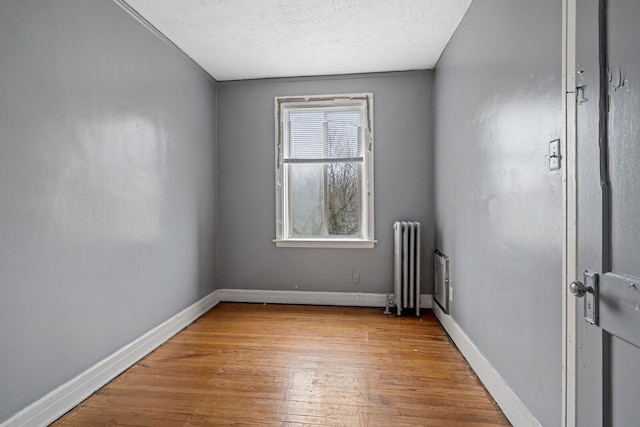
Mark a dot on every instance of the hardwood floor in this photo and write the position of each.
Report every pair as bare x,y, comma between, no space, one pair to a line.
258,365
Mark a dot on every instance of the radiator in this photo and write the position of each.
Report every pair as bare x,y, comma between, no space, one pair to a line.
406,266
441,280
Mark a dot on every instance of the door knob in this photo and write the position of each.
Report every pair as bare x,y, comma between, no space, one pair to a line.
578,288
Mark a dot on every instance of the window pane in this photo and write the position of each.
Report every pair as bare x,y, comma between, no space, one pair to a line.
343,134
306,139
317,135
306,199
343,188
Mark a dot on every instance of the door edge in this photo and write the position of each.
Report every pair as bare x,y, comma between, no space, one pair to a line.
569,210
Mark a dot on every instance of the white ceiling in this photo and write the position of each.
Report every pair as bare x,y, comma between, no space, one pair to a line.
250,39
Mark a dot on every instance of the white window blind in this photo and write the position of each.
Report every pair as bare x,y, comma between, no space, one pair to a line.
324,136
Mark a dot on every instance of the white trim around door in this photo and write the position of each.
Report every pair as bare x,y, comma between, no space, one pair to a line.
569,220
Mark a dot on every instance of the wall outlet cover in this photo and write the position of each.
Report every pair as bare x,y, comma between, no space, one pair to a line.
355,277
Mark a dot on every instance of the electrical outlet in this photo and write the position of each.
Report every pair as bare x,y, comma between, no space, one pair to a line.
355,277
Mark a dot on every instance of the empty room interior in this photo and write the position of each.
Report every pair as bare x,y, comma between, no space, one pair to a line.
298,163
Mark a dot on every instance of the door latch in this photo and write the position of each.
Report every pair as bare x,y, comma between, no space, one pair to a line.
588,290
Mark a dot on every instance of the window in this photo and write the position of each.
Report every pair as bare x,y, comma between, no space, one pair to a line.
324,171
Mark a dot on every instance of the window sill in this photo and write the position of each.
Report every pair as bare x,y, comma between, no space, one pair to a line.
325,243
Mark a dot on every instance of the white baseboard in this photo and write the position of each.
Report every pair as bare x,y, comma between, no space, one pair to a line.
59,401
350,299
513,408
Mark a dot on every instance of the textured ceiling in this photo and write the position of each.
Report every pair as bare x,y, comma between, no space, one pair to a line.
249,39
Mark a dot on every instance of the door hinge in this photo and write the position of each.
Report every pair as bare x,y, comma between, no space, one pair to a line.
580,98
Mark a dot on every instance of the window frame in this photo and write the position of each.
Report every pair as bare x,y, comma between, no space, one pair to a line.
283,237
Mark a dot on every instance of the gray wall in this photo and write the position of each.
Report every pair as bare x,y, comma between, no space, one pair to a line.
499,209
107,189
248,258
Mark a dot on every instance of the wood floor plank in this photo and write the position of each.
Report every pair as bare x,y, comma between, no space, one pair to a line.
263,365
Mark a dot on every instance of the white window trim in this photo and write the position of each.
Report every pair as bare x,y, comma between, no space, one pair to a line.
368,240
